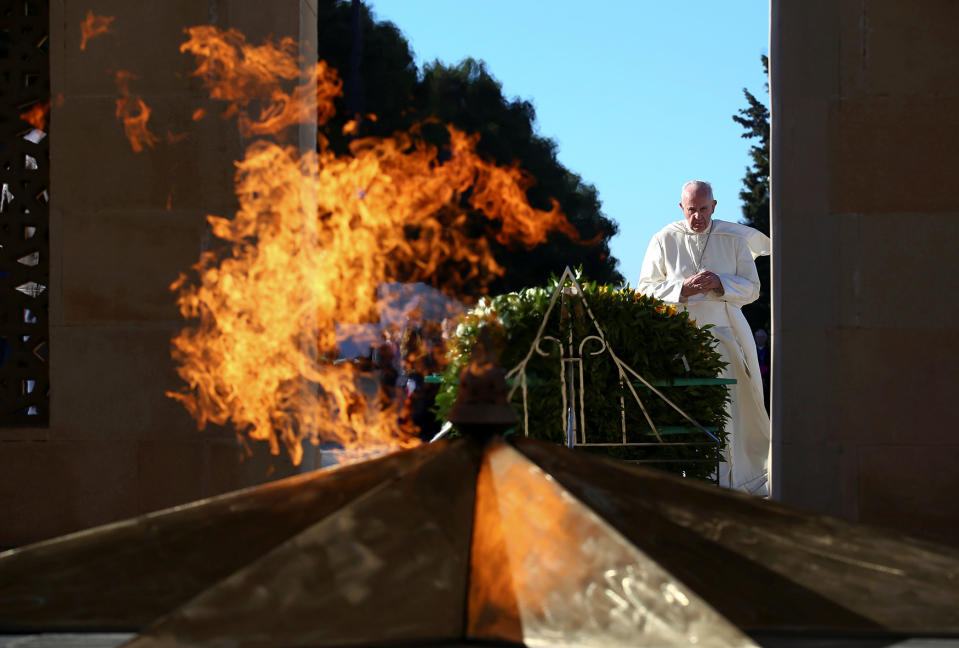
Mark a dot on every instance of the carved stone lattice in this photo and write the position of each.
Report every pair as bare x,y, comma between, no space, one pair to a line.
24,212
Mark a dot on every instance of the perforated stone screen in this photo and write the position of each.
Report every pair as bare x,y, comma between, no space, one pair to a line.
24,212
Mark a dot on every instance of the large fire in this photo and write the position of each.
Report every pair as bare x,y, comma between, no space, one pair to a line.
315,235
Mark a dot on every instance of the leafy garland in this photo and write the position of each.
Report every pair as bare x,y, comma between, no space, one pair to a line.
649,336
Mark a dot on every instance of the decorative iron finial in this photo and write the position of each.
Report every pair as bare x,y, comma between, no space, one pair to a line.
482,407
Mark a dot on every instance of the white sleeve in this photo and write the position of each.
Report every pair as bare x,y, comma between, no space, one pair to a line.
743,287
653,280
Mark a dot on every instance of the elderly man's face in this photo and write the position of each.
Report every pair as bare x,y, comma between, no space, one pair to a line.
698,207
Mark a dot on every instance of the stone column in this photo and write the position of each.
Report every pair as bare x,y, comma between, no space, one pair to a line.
123,226
866,302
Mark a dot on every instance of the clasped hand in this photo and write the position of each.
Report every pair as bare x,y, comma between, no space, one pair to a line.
702,282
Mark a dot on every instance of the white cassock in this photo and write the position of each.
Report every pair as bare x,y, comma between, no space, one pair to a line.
728,250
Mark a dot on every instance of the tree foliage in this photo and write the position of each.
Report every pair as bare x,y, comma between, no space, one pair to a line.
465,94
755,193
468,97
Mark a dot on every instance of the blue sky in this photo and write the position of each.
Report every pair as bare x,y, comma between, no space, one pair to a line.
638,94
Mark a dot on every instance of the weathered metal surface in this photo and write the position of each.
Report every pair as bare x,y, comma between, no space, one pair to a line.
477,542
124,575
65,640
389,568
546,571
763,565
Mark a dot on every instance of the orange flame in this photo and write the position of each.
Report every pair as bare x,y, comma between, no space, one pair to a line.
36,115
93,26
134,113
314,236
239,73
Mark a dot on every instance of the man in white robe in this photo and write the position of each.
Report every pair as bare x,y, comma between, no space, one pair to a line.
707,267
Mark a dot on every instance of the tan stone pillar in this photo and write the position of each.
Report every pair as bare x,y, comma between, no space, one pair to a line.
123,226
866,299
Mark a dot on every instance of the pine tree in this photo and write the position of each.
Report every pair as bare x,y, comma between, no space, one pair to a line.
755,194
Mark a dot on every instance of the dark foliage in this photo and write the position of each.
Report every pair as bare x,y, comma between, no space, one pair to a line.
755,194
387,93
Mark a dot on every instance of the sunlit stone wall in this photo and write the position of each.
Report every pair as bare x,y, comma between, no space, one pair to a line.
123,225
866,223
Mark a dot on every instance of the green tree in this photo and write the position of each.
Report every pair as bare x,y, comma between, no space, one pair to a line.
467,96
386,79
755,193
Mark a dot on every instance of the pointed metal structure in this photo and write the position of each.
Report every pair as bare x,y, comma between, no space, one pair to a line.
474,541
572,376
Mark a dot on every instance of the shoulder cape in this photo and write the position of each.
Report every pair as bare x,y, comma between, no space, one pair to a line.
759,244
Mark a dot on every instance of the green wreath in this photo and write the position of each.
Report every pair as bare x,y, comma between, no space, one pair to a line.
655,340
